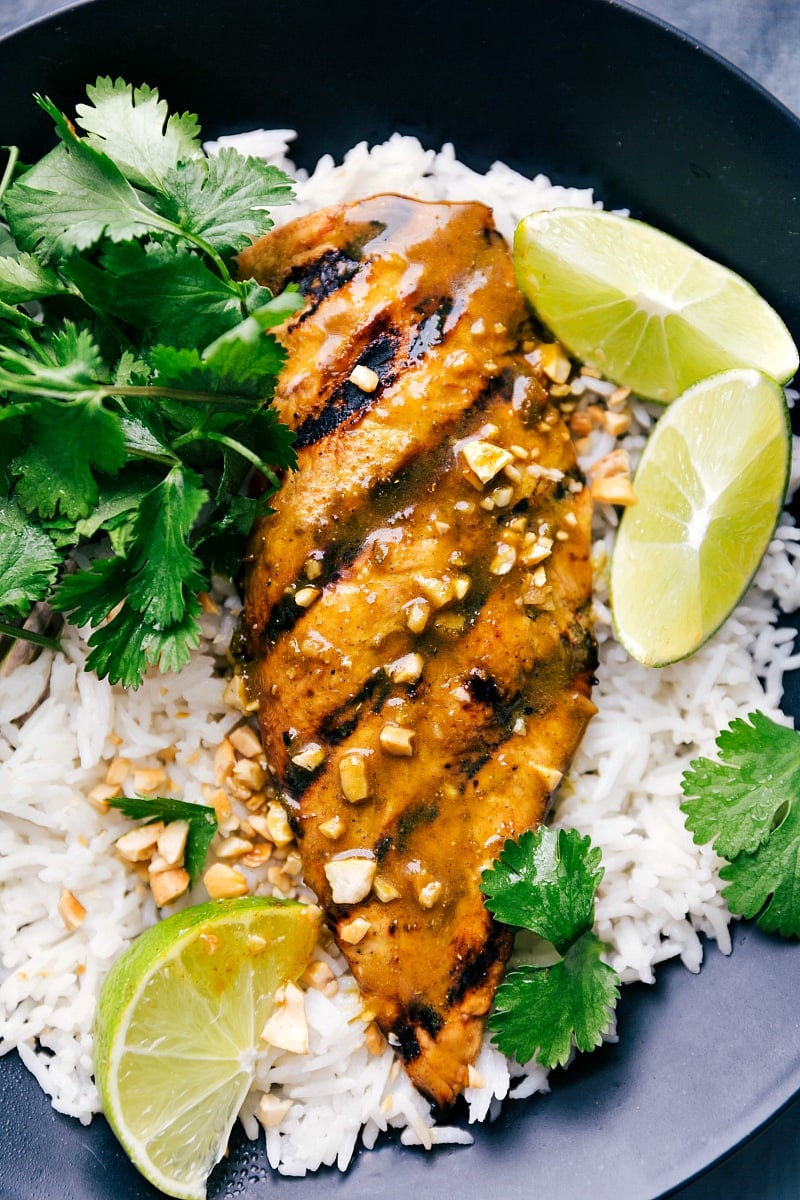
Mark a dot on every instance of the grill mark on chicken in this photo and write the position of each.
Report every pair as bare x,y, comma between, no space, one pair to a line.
414,559
347,400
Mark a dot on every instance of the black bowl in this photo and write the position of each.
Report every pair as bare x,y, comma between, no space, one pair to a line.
590,92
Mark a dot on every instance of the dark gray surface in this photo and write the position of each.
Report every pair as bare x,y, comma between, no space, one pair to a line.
762,37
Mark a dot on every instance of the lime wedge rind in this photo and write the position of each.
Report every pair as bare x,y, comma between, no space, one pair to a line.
668,597
177,1029
589,273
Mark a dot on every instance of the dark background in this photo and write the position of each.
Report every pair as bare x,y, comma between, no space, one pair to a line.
762,38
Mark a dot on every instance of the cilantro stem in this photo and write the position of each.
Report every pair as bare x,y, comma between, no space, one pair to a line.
30,385
154,392
27,635
232,444
13,157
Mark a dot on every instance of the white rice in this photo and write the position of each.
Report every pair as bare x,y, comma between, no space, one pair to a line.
60,728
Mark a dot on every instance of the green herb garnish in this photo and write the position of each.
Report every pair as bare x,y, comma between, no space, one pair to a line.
136,374
202,823
546,882
748,806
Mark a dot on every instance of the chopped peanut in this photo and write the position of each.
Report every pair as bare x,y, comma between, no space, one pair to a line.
437,591
617,423
430,894
310,757
364,378
287,1028
552,778
280,831
555,363
503,560
223,882
332,829
272,1110
220,802
168,885
353,778
384,890
172,843
418,615
138,844
318,975
149,779
474,1078
616,463
118,771
350,879
293,864
406,669
259,824
354,931
614,489
224,761
485,459
374,1039
246,741
235,694
396,740
71,911
250,774
304,597
258,855
100,795
233,847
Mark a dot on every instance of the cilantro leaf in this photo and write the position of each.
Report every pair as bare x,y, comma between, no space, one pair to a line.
167,291
540,1011
23,278
132,126
202,822
118,427
766,883
224,199
734,803
748,807
67,445
163,566
29,561
71,199
546,882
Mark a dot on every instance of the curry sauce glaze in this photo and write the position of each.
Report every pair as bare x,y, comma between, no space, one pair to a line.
416,607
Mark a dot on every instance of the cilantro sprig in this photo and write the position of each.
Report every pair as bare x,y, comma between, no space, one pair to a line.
747,806
202,822
546,882
136,374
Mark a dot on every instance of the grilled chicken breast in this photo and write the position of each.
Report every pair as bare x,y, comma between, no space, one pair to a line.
416,606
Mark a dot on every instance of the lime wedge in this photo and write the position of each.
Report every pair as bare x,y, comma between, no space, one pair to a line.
710,486
177,1030
645,309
